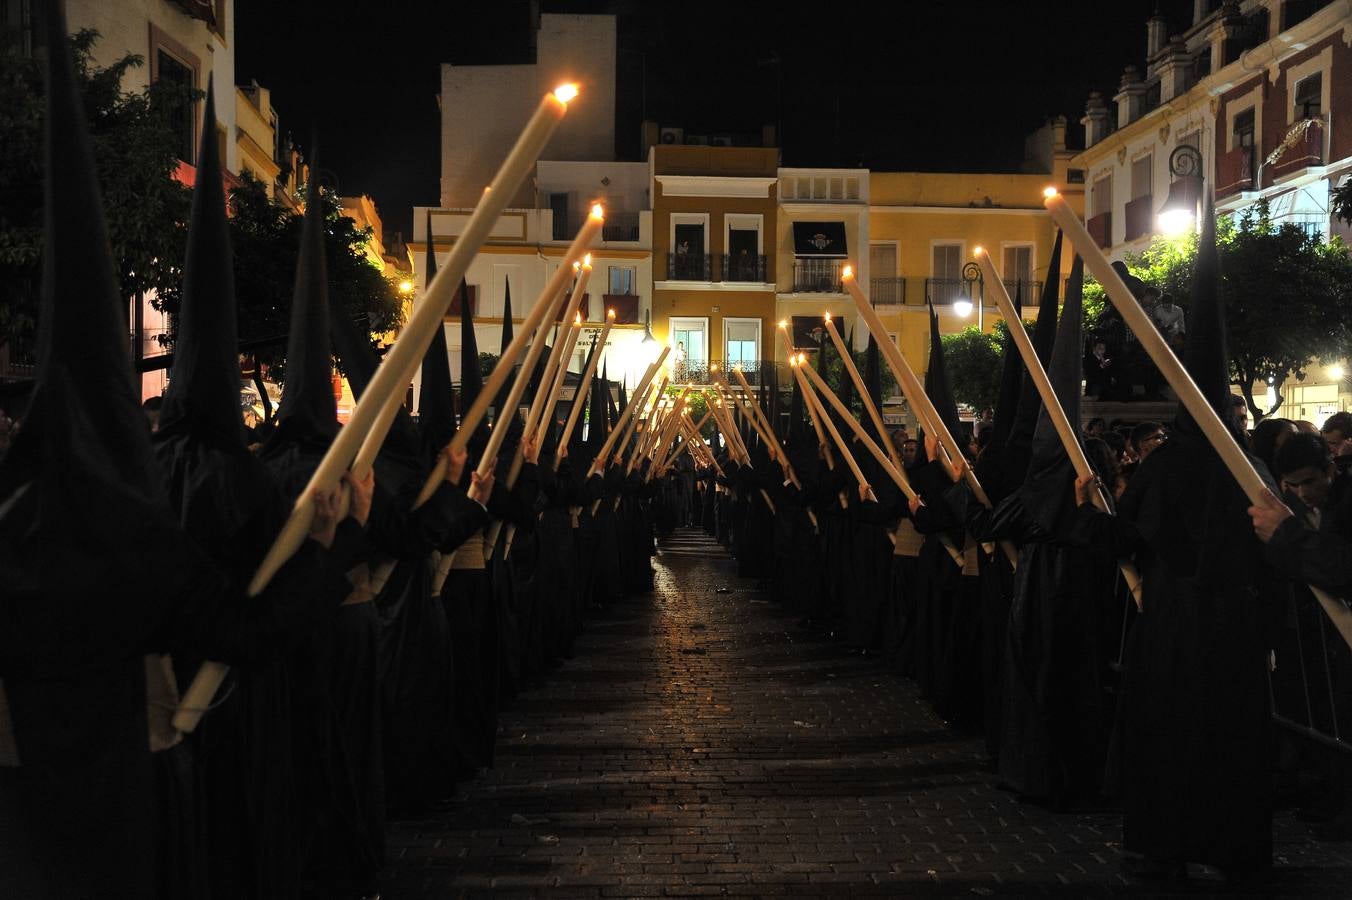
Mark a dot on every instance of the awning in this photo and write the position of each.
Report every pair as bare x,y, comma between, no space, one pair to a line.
824,240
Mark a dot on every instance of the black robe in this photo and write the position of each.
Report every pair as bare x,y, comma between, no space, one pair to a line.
1193,732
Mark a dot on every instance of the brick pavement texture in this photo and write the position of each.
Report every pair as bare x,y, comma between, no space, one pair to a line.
703,744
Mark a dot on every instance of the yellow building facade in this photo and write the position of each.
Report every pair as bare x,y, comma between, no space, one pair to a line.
715,213
923,231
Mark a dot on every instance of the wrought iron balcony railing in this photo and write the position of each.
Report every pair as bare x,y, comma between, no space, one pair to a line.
743,267
689,267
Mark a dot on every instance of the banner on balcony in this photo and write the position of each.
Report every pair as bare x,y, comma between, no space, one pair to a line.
823,240
808,332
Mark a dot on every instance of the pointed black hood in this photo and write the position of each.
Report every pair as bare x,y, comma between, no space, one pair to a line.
576,445
214,484
1207,356
1000,469
873,382
308,412
596,415
612,410
203,395
436,398
1011,380
1049,488
82,511
846,393
471,378
508,333
937,387
1020,442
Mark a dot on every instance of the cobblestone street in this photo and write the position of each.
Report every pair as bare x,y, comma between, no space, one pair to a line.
702,743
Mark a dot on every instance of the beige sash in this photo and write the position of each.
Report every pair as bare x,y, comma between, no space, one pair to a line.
161,701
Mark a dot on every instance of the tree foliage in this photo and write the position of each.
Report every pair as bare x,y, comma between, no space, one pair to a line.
265,236
974,360
1287,296
135,155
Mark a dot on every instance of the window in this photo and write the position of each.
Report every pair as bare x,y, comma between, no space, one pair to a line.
622,279
690,350
743,342
882,260
1141,176
1243,128
174,71
1101,195
1308,93
945,273
1018,269
947,262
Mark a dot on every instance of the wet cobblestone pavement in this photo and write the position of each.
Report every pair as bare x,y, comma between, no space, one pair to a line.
703,744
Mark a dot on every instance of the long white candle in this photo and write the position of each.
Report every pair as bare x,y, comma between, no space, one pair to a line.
580,395
1055,411
848,359
1184,387
392,374
599,465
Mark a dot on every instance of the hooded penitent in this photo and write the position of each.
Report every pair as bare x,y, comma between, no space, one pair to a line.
1194,719
436,398
1018,446
82,520
508,333
990,468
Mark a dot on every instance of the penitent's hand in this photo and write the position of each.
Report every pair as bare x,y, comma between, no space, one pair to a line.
481,487
324,526
531,450
1085,485
455,463
359,507
1268,515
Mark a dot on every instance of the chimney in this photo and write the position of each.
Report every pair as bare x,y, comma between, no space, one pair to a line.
1156,29
1175,70
1130,97
1095,119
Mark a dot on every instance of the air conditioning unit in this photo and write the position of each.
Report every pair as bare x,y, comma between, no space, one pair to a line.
672,136
720,140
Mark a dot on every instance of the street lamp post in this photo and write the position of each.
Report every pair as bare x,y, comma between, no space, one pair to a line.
976,292
1180,209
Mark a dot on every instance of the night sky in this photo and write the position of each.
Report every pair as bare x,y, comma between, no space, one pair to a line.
914,85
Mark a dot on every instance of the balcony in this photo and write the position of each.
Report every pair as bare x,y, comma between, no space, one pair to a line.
625,306
1139,216
689,267
817,276
1100,228
744,268
1234,172
619,226
946,291
1023,291
1304,148
890,291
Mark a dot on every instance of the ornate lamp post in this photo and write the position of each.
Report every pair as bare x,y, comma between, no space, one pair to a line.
1180,209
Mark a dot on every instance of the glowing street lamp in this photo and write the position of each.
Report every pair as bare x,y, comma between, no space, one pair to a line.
1178,215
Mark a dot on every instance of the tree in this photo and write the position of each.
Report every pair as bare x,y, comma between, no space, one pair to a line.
1287,296
974,360
1341,201
265,237
135,155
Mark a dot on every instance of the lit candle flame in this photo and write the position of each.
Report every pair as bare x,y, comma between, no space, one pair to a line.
847,272
978,250
565,93
1049,192
827,317
586,260
610,314
598,211
784,323
577,318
